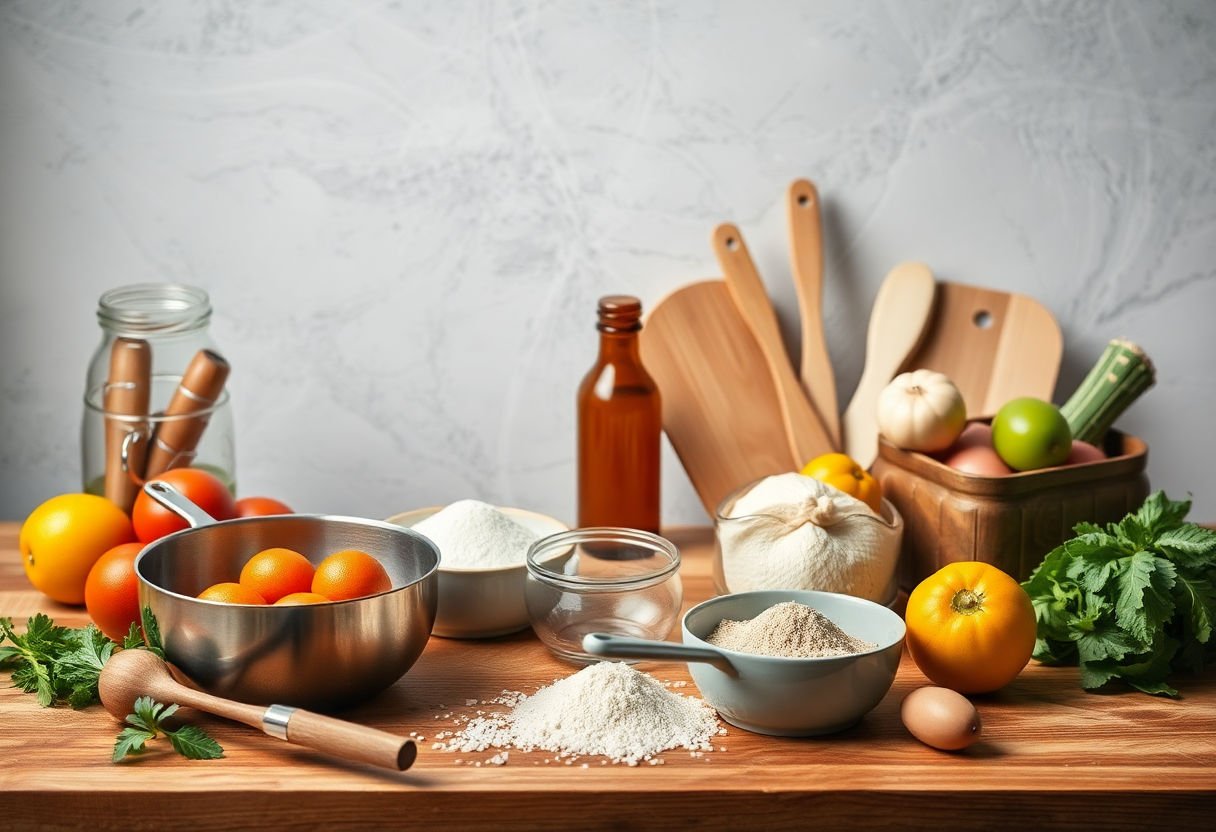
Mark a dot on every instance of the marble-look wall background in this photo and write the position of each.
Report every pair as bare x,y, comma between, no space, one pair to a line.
404,211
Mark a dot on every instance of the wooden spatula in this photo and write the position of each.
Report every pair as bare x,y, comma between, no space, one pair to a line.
995,346
808,438
720,409
806,258
898,323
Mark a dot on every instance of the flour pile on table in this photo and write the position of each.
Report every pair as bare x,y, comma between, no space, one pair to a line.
471,534
607,709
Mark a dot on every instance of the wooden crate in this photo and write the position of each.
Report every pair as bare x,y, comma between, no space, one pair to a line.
1010,522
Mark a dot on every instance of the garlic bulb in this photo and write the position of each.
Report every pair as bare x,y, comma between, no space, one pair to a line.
921,411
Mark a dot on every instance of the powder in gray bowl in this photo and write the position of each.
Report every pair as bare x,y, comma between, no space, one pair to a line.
790,630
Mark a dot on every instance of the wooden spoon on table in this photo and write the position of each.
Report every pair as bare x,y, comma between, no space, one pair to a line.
807,436
806,257
898,323
130,674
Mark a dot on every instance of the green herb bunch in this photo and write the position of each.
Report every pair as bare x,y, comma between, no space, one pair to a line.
1134,600
62,664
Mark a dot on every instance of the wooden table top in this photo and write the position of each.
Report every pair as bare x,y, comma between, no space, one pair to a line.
1052,754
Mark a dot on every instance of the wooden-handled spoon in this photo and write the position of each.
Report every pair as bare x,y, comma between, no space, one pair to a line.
130,674
808,438
806,258
898,323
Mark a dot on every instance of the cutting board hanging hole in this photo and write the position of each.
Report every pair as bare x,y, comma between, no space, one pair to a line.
983,319
732,243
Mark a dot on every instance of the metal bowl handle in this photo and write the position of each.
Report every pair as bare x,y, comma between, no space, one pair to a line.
176,502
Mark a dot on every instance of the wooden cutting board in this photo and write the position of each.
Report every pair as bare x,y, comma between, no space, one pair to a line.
995,346
720,407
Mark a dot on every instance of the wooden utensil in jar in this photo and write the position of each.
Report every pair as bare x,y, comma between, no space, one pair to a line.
898,322
720,409
130,674
808,438
186,417
806,259
125,403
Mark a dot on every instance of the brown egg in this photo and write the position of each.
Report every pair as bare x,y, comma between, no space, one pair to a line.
940,718
980,460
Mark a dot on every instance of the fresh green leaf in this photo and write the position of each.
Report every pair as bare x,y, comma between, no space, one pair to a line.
194,743
130,741
1133,600
1159,513
134,638
148,723
1144,602
152,640
78,670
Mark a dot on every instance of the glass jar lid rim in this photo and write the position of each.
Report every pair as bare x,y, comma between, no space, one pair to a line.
153,307
536,559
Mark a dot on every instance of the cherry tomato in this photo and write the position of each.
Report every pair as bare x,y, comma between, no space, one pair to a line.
261,507
153,521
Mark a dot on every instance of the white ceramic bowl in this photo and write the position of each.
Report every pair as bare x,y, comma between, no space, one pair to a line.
489,601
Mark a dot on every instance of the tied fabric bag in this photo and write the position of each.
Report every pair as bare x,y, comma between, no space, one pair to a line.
790,531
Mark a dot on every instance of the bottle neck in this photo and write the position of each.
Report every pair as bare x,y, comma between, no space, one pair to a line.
617,346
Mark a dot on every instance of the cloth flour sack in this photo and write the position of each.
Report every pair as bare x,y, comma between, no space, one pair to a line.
794,532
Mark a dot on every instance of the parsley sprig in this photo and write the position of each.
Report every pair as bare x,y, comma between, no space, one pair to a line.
148,723
1133,600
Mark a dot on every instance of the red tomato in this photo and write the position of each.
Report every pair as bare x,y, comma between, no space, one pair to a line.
111,592
153,521
261,507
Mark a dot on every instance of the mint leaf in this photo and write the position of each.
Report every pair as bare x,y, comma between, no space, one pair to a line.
147,714
129,741
78,670
193,743
1198,598
1189,546
1143,602
1159,513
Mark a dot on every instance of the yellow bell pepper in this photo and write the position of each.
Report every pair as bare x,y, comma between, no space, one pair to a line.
842,471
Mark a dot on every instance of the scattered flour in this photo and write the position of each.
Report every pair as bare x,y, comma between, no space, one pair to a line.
790,629
471,534
608,709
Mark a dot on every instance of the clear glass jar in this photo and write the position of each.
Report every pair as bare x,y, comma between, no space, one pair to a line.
173,320
602,580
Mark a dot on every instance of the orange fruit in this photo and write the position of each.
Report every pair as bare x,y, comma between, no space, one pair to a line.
301,598
111,592
230,593
350,574
273,573
62,539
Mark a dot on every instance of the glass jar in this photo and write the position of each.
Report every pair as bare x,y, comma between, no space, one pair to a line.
173,320
602,580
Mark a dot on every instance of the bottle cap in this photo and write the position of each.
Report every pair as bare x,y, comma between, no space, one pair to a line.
620,313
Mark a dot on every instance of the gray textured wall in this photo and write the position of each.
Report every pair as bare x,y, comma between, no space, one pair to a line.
405,211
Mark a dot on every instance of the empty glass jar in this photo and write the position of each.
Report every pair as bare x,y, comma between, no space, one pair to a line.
602,580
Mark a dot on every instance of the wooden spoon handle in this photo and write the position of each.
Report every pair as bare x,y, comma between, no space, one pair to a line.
299,727
898,323
806,434
806,257
340,738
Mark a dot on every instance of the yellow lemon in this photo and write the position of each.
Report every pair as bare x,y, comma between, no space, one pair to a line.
62,539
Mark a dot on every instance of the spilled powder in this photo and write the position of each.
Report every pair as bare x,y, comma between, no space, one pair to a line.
607,709
789,629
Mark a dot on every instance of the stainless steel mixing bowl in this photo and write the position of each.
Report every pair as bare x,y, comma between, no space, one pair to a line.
322,656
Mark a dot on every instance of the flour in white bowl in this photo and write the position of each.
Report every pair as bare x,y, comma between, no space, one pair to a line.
471,534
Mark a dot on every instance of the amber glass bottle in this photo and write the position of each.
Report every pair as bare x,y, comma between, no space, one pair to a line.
619,422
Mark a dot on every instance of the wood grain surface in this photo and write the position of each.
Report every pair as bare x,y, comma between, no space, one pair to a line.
1052,756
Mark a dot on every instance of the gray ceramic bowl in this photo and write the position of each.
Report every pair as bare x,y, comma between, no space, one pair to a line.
780,696
320,656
